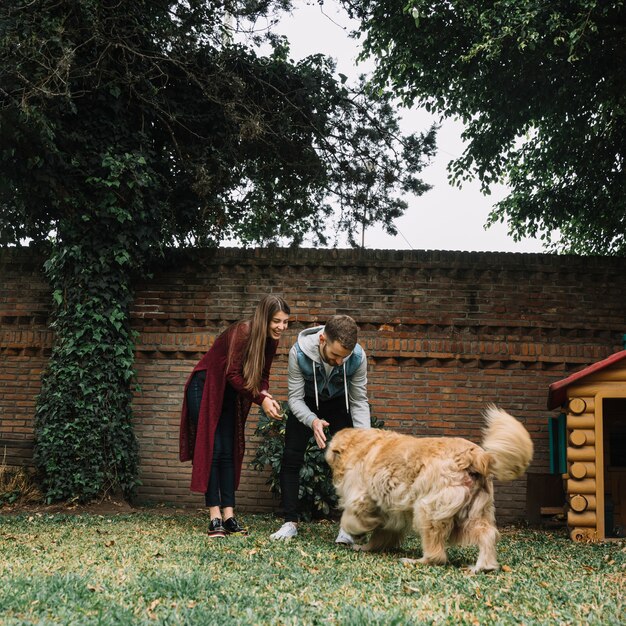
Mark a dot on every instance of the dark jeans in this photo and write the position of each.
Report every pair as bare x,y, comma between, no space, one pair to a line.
297,437
221,488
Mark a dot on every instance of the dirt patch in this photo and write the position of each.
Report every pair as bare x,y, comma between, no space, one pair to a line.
107,506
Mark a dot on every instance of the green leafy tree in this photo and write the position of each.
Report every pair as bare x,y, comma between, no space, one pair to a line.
127,126
541,88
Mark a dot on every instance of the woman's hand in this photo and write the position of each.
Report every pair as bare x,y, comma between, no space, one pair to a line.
271,407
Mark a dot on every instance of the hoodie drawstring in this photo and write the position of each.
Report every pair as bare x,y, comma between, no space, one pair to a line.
345,387
317,404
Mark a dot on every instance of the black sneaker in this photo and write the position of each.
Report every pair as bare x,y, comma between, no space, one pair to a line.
232,527
216,529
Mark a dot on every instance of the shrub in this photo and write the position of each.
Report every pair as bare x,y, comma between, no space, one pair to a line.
317,497
16,485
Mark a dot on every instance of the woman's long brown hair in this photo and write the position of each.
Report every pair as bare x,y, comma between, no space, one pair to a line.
254,353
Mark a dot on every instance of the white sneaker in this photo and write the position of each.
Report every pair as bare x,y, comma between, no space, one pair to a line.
344,537
285,532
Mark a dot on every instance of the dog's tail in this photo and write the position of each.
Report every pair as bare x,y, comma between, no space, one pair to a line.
507,443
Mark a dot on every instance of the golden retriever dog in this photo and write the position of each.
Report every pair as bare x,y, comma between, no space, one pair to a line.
441,487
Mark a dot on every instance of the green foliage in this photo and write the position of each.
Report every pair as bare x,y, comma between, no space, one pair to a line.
542,91
234,144
317,497
84,441
128,127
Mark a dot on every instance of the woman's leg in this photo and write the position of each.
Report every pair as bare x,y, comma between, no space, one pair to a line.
221,491
195,389
212,496
226,464
226,461
194,396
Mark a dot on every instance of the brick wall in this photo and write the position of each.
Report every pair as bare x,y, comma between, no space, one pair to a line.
445,333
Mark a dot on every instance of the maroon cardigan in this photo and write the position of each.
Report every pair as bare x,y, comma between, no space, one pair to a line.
197,444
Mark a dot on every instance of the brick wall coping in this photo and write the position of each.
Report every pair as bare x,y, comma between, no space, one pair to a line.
344,257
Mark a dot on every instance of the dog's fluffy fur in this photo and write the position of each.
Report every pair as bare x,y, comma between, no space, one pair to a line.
441,487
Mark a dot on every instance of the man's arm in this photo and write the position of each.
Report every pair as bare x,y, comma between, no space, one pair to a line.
357,389
295,386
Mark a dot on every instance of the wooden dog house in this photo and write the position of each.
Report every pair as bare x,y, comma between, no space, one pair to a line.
594,403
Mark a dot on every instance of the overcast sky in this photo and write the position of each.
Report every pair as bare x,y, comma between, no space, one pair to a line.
444,218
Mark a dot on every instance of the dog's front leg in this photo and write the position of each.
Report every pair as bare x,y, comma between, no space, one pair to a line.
381,539
360,516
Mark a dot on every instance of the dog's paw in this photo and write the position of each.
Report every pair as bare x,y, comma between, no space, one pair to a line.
407,561
476,569
360,547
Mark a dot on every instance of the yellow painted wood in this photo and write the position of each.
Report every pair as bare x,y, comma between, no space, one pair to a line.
580,438
578,503
586,519
584,486
577,406
612,375
591,388
582,469
581,503
586,453
588,420
600,463
583,534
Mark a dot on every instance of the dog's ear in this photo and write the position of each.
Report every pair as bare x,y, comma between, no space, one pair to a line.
331,454
338,444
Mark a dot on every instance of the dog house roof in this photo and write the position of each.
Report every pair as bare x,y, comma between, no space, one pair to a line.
557,390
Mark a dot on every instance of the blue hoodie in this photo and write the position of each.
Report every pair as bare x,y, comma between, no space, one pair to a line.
307,377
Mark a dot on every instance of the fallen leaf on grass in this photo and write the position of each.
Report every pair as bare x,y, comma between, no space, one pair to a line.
506,568
150,609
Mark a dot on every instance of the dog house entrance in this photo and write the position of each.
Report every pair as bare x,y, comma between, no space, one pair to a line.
614,444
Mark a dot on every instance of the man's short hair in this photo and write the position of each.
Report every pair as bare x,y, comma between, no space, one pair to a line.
342,328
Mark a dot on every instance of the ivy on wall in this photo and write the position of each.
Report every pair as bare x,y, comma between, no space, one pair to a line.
85,446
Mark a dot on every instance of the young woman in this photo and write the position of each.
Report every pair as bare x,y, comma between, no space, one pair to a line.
232,375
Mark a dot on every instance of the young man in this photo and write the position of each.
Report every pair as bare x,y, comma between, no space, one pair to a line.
327,384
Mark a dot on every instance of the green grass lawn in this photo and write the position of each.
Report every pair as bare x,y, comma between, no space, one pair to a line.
151,568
